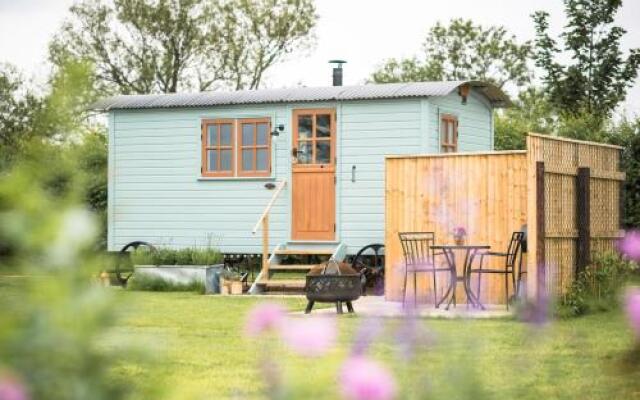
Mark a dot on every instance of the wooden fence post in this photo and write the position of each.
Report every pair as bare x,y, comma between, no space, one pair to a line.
540,231
583,212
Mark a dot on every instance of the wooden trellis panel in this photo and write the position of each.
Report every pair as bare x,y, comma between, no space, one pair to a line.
562,159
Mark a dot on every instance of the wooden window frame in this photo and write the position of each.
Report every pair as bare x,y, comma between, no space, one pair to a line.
445,120
254,121
206,147
314,112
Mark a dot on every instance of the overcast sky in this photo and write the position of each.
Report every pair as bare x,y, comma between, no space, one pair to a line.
364,32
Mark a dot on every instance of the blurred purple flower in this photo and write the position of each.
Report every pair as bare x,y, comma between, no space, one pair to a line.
367,331
633,310
412,337
537,312
12,389
310,336
630,245
365,379
262,318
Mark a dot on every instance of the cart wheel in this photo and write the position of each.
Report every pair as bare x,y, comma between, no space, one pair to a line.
124,266
369,262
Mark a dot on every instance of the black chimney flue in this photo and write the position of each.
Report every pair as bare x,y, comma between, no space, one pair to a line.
337,71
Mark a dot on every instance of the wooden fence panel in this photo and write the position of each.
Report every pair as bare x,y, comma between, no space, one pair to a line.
485,193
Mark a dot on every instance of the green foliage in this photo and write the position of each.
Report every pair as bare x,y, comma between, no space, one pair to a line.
598,77
598,287
18,108
145,46
157,284
48,334
230,275
463,50
630,133
184,256
531,113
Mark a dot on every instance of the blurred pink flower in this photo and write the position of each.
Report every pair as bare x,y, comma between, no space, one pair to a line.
633,310
365,379
264,317
630,245
309,336
12,389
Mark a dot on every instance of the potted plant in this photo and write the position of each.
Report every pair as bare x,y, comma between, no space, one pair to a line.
459,235
231,283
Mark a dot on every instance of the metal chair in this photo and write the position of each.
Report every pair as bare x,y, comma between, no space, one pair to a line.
510,257
419,257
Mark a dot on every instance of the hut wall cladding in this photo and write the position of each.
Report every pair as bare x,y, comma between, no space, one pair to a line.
562,158
484,192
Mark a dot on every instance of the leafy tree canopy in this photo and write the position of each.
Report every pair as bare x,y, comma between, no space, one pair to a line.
597,78
165,46
463,50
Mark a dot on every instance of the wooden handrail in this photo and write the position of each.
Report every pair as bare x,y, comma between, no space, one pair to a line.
264,220
279,188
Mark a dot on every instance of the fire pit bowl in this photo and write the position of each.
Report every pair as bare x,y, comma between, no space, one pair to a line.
333,283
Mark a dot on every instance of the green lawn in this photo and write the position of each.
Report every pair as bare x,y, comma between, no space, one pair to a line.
191,347
196,350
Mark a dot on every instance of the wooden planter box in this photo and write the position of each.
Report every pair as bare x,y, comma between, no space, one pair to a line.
233,287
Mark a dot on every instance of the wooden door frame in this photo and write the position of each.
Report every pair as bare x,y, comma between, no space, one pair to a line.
320,168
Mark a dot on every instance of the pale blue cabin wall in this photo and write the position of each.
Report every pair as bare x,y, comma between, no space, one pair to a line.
369,130
475,130
156,193
160,197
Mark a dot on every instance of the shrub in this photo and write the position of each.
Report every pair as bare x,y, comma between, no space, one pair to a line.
185,256
598,287
157,284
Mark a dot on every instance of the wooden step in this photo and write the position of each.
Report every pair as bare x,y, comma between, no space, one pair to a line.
304,252
283,283
292,267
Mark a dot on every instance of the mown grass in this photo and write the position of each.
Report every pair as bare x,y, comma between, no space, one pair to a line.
194,349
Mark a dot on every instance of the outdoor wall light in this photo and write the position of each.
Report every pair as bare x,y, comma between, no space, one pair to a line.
276,132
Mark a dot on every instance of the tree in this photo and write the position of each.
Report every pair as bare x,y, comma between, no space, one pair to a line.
598,77
165,46
18,106
461,51
531,112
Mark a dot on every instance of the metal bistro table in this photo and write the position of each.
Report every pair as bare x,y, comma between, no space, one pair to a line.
470,253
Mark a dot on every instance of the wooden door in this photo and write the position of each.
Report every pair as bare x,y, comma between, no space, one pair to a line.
313,175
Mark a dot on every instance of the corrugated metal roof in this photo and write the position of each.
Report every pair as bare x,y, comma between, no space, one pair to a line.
301,94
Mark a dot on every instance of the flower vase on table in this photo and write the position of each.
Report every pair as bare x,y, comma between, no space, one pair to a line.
459,235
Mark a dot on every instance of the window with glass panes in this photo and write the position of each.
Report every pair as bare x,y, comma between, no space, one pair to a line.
236,147
448,134
254,147
217,147
314,137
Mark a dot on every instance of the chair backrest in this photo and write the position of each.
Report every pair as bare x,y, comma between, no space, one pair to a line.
515,245
416,247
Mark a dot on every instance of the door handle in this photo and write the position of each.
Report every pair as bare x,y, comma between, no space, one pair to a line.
353,173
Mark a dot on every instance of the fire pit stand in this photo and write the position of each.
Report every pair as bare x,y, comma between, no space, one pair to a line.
333,283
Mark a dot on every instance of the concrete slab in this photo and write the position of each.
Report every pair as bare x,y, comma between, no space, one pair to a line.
376,306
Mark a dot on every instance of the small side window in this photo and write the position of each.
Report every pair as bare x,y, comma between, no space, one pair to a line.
448,134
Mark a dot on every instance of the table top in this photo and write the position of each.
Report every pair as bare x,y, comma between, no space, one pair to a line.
460,246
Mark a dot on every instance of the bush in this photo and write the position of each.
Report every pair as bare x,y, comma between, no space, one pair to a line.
186,256
157,284
598,287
